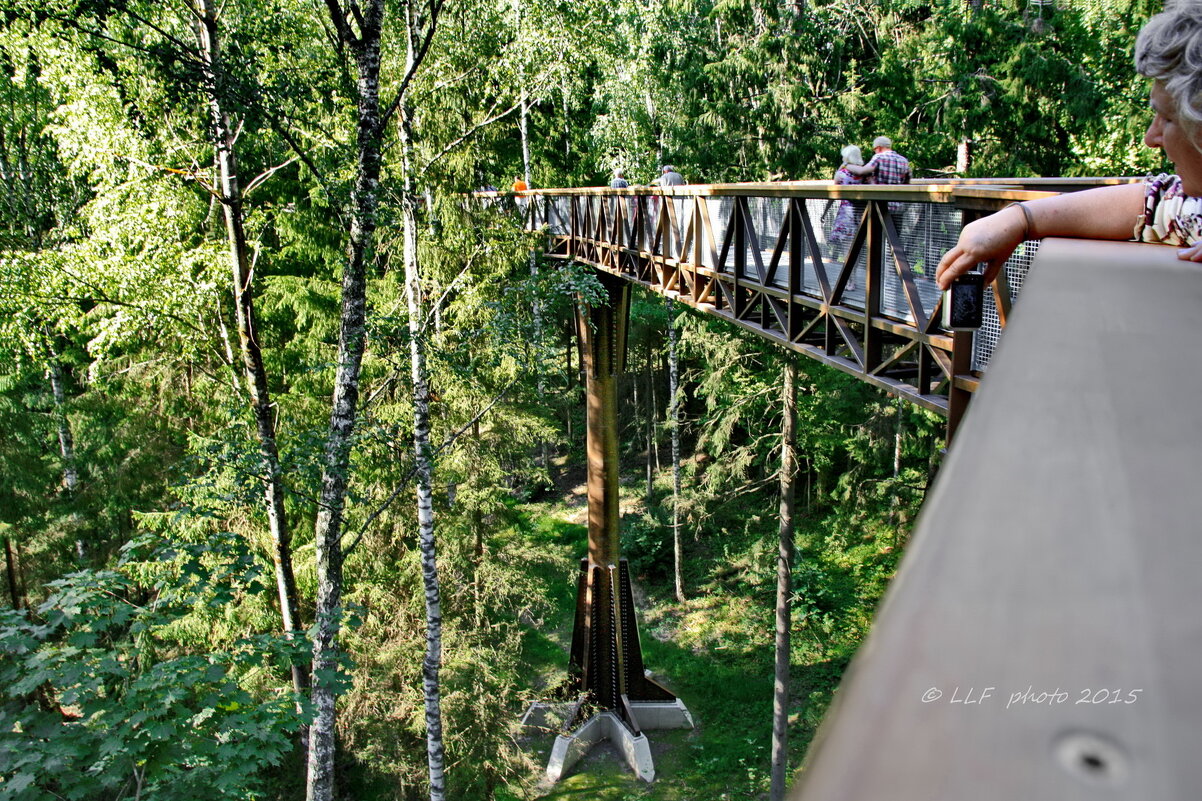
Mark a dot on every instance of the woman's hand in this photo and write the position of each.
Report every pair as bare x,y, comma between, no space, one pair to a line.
990,239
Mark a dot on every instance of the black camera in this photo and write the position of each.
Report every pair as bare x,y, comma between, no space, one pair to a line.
964,302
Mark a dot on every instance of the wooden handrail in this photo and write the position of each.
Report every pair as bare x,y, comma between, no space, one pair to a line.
1041,638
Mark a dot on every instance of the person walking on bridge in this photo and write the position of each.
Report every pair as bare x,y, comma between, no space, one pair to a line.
671,177
668,177
847,217
1165,209
886,167
844,226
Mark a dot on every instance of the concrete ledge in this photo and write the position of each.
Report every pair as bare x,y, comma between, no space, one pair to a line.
662,714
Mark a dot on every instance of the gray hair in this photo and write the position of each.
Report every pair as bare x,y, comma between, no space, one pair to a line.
882,141
851,154
1169,49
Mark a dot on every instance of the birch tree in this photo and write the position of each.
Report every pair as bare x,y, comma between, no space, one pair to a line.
358,28
784,582
229,193
674,427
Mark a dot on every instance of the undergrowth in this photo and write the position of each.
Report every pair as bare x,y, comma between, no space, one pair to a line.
715,650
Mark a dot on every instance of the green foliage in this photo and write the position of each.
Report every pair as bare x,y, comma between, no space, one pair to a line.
751,90
39,198
99,702
489,583
28,473
148,675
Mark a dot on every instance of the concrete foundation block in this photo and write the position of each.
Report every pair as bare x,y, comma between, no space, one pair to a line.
662,714
571,748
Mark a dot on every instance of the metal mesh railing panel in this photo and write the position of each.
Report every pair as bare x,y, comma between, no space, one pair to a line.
821,214
767,215
620,210
594,216
683,208
558,212
834,246
927,231
986,338
719,211
643,222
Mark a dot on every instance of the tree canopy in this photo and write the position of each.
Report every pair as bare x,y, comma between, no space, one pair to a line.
246,318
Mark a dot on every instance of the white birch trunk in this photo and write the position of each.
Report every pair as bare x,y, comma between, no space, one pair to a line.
897,440
784,588
649,425
523,129
66,441
655,418
224,331
10,571
423,460
423,463
525,115
674,426
361,253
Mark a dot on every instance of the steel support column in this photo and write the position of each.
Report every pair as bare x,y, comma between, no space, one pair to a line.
603,345
606,663
612,697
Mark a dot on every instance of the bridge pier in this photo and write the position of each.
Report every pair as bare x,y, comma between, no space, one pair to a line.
610,695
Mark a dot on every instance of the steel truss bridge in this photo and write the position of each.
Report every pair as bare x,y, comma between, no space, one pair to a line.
1058,552
761,257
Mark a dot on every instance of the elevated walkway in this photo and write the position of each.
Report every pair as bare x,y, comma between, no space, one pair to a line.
765,257
1041,638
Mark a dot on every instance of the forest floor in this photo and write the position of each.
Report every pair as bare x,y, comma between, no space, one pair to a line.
715,651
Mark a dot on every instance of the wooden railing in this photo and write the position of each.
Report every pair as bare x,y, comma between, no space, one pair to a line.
761,256
1041,638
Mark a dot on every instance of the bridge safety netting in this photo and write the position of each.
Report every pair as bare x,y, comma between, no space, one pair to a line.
987,336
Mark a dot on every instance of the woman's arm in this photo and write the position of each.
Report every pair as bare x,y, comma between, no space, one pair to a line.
860,169
1108,212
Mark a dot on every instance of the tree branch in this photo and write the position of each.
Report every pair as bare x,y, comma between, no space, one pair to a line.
434,307
193,174
469,133
263,176
338,17
416,62
412,471
77,26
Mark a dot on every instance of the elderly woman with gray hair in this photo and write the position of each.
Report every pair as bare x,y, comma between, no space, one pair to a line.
844,225
1165,208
